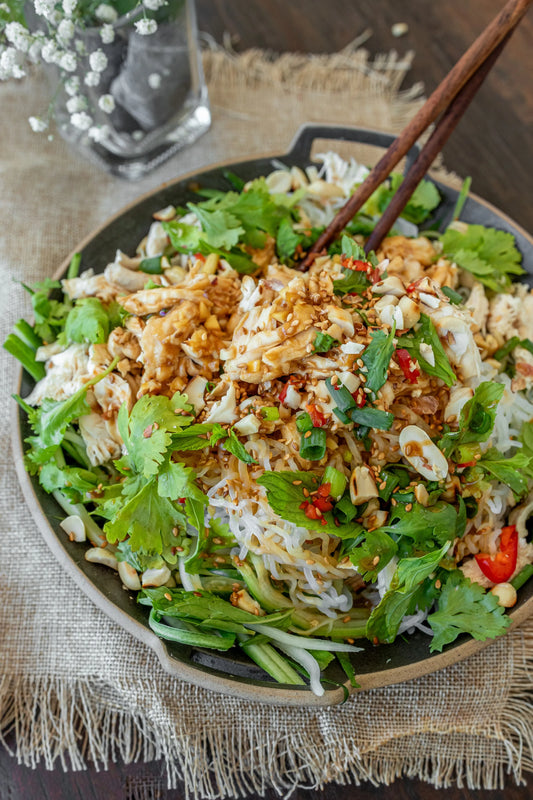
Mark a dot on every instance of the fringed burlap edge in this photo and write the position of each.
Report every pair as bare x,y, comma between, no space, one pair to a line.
67,723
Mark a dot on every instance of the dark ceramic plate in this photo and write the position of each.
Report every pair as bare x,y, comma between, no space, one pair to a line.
233,673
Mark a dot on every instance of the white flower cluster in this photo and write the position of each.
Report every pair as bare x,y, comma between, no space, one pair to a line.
58,40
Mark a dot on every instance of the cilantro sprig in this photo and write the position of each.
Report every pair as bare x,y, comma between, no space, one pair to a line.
489,254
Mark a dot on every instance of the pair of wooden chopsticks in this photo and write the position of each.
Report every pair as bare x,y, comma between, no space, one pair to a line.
451,99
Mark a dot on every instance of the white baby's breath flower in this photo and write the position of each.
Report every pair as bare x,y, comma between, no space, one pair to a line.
146,26
72,85
5,8
81,47
107,34
153,5
92,79
77,103
68,62
81,120
154,80
98,133
107,103
50,52
98,61
44,8
106,13
10,63
18,36
69,6
38,124
66,29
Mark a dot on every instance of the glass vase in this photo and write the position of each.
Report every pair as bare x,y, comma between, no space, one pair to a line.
150,99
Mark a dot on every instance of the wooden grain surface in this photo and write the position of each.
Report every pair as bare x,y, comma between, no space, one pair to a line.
493,144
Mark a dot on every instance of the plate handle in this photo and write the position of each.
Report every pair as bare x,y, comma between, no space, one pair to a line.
300,147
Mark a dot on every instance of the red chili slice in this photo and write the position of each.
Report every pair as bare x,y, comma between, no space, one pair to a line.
324,490
322,503
360,398
199,256
317,417
312,513
409,368
498,568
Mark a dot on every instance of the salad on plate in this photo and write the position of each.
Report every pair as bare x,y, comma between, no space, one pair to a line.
288,462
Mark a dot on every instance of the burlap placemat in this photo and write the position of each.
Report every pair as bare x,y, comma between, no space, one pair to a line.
74,686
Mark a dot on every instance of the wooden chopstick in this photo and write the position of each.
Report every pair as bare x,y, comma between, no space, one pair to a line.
431,149
477,54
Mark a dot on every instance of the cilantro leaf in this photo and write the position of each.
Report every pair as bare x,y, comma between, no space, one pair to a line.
51,420
146,432
50,314
376,545
354,282
513,471
422,202
183,237
465,607
287,240
87,322
426,333
422,527
376,358
324,342
489,254
404,595
220,227
148,520
73,480
477,418
284,498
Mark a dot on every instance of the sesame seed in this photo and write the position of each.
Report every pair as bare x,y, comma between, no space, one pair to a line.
167,596
307,434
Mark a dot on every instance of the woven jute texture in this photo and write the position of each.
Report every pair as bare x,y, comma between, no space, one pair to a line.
76,688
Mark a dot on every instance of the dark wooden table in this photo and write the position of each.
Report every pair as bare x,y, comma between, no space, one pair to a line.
493,144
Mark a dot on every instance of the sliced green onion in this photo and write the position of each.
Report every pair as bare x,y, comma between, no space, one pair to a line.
74,266
266,657
151,265
341,395
25,332
344,510
453,296
223,641
270,413
372,418
26,355
313,448
462,198
337,481
304,422
523,576
300,641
